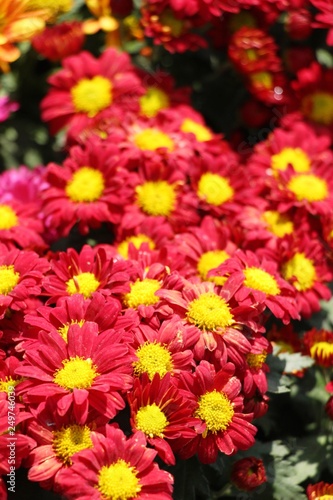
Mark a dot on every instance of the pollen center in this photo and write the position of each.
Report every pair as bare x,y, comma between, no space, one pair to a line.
202,133
278,224
70,440
262,79
63,330
55,6
8,217
156,198
84,283
211,260
8,279
319,107
77,373
86,185
256,360
9,382
209,312
300,271
153,358
321,350
214,189
153,101
118,481
90,96
151,420
215,410
175,26
151,139
137,242
308,187
258,279
142,293
295,157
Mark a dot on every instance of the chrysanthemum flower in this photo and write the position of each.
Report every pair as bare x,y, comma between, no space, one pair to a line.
219,405
221,323
253,376
269,87
257,281
59,41
248,473
85,273
88,189
319,491
162,412
21,274
116,467
164,350
79,374
319,345
8,379
85,86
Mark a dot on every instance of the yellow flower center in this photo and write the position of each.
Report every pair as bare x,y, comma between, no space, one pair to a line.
295,157
251,54
308,187
321,350
211,260
70,440
201,132
153,101
214,189
137,242
142,293
278,224
9,382
151,139
8,217
324,497
256,360
156,198
258,279
118,481
153,358
319,107
302,270
174,25
55,6
77,373
63,330
262,79
91,95
216,410
86,185
151,420
8,279
85,284
209,312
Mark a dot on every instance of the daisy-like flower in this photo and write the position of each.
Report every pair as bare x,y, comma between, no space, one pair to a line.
269,87
21,275
162,412
319,491
303,264
85,86
220,323
59,41
257,281
116,467
164,350
79,374
248,473
319,345
8,379
219,405
253,376
88,189
85,273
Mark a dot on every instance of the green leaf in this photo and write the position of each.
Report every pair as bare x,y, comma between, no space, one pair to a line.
285,485
295,361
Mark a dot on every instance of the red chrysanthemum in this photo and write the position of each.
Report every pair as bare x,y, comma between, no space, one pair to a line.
319,345
248,473
8,378
253,376
79,374
116,467
85,273
319,491
224,426
21,275
88,189
59,41
85,86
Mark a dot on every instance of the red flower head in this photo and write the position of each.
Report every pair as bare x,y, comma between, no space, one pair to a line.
59,41
88,189
224,427
85,273
248,473
8,379
79,374
86,86
319,491
116,467
253,376
319,345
